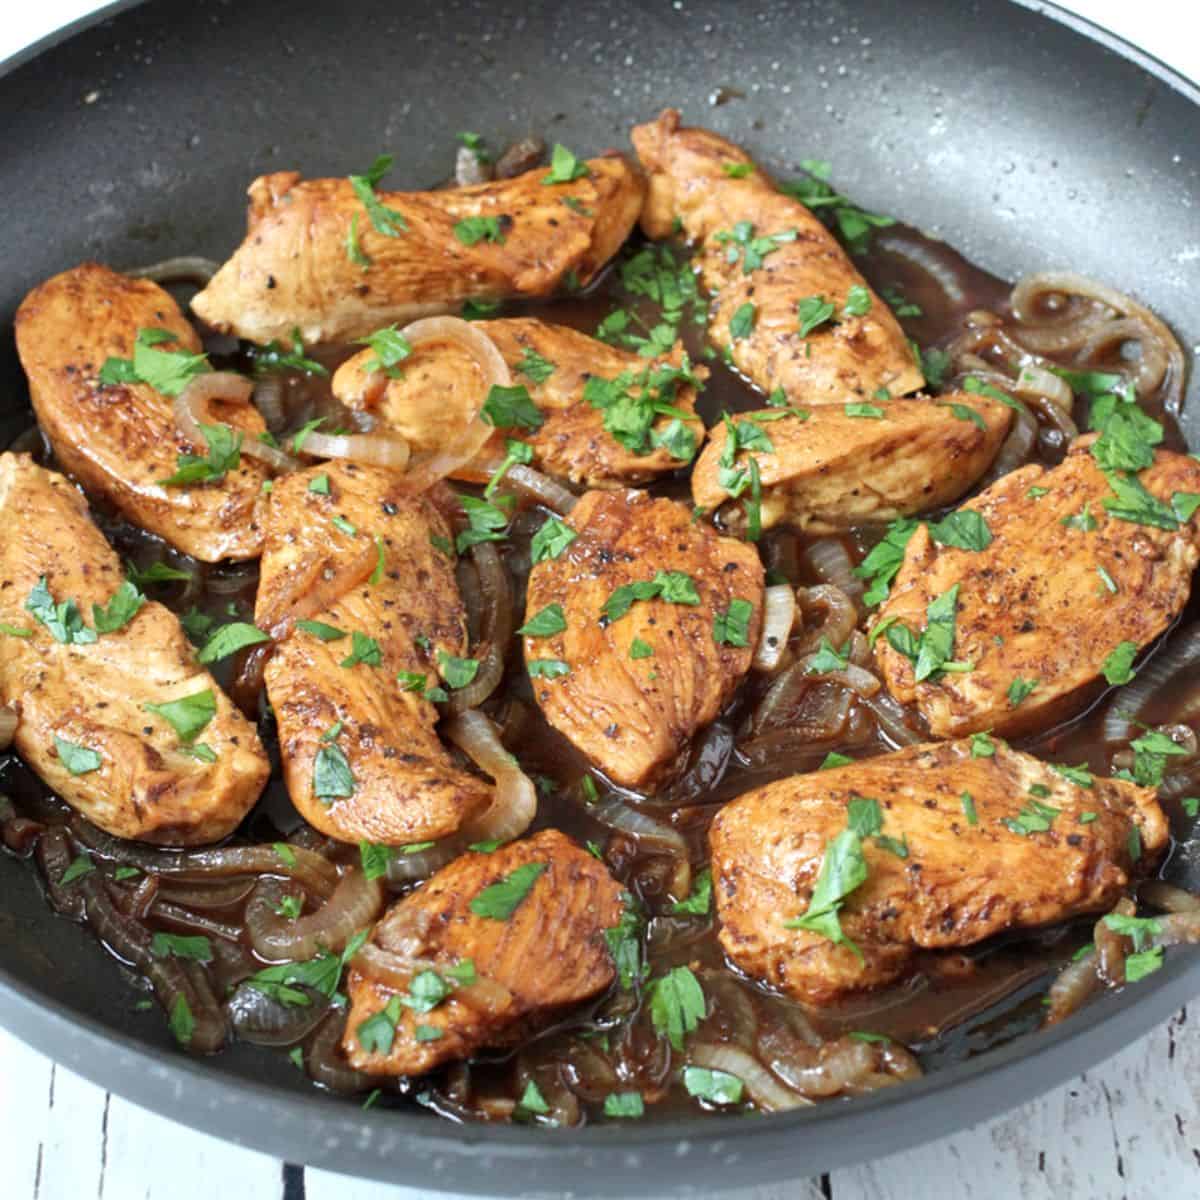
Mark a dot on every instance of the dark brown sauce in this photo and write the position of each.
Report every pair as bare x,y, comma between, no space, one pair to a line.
955,1005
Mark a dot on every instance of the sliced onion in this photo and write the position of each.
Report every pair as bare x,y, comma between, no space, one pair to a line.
1180,653
388,450
540,488
830,559
355,903
1178,929
325,1064
396,971
891,719
1037,383
779,613
613,812
856,678
177,917
838,616
947,273
317,874
496,632
412,868
761,1086
267,397
206,895
514,804
1166,896
190,267
8,726
428,468
264,1021
190,408
1112,947
1075,983
1015,449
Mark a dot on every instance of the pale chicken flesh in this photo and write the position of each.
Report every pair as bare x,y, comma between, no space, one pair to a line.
120,440
547,953
315,258
761,252
630,680
431,397
1062,584
83,692
825,469
970,845
366,611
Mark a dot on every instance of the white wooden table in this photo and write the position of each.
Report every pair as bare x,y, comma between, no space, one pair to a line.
1129,1128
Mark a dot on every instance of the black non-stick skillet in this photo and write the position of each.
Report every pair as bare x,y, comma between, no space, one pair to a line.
1025,137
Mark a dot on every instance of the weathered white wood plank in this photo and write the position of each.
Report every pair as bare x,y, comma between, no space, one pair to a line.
1129,1128
24,1098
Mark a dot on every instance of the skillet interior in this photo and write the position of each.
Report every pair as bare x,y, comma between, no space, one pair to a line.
1020,142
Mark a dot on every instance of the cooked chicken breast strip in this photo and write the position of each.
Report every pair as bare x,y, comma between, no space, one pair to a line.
338,699
631,687
547,954
82,703
990,844
120,440
439,385
829,470
1034,607
846,357
313,259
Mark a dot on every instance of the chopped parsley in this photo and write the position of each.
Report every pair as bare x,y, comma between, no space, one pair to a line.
500,900
78,760
677,1005
863,410
547,668
274,357
189,715
843,869
224,447
167,371
699,900
545,623
1020,690
732,627
534,367
624,1104
673,587
1035,817
964,529
551,540
1118,666
386,221
472,230
639,649
121,608
565,167
363,649
813,311
391,348
982,745
851,222
883,563
457,672
511,408
931,652
716,1087
634,400
332,777
326,633
741,242
741,324
968,807
229,639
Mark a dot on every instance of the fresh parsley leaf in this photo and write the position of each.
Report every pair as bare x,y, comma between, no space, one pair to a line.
1035,817
63,620
224,454
827,659
457,672
624,1104
472,230
121,608
858,301
534,367
965,529
834,759
332,776
885,559
717,1087
737,170
377,1033
78,760
732,627
1079,776
499,900
741,324
327,633
514,452
813,311
385,220
189,715
275,357
391,348
968,807
860,409
677,1005
1020,689
741,242
511,408
229,639
173,945
624,941
363,649
982,745
1082,520
547,668
485,522
672,587
639,649
167,371
1146,962
181,1021
546,623
565,167
934,365
551,540
1118,666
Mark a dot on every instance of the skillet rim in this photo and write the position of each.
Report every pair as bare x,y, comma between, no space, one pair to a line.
202,1095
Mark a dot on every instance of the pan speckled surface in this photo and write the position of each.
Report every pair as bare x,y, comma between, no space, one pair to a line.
999,128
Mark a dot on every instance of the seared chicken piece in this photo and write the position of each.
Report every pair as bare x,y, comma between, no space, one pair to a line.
360,756
1062,584
827,470
120,440
428,404
82,696
761,254
313,258
630,680
530,965
993,844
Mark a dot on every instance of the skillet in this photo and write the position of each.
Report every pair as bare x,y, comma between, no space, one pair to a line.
1025,137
